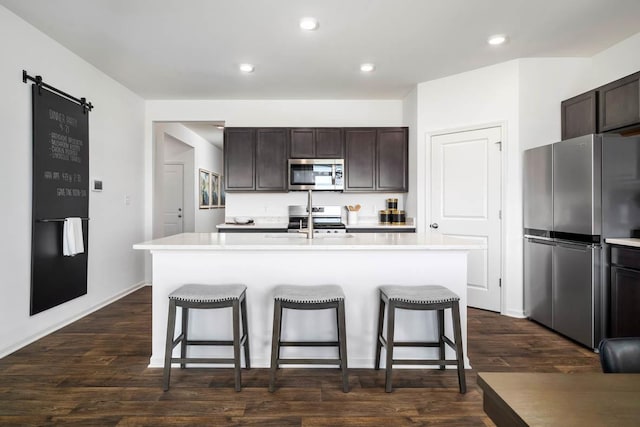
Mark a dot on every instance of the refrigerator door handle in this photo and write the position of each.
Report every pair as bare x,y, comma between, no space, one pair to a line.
541,240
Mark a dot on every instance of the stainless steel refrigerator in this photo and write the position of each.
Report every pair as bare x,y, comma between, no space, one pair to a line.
577,193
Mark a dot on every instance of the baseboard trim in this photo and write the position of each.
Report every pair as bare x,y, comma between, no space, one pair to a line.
17,346
519,314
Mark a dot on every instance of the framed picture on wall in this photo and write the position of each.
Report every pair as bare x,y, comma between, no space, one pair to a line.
215,190
221,191
204,189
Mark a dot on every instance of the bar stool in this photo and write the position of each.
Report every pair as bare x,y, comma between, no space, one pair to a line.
308,298
429,297
206,297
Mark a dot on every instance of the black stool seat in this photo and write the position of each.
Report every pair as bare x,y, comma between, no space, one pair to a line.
308,298
206,297
427,297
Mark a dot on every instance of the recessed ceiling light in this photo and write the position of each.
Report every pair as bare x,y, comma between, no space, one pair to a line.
497,39
247,68
367,68
309,23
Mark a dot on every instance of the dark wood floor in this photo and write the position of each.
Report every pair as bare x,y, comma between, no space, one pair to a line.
94,372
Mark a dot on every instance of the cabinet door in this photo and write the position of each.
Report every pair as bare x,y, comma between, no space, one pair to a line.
625,292
239,158
625,300
392,159
579,115
329,143
360,145
302,143
619,103
271,159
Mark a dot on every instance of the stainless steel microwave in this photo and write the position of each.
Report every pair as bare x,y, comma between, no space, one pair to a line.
316,174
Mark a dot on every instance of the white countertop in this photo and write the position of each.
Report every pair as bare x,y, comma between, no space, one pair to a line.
291,241
624,241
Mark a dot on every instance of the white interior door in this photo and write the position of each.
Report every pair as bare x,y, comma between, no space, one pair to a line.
173,188
466,202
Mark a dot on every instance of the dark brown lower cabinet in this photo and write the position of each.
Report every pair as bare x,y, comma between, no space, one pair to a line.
625,292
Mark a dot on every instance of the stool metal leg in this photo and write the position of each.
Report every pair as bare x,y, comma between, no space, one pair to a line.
245,332
236,343
379,334
441,338
342,348
275,343
168,350
185,330
390,332
457,333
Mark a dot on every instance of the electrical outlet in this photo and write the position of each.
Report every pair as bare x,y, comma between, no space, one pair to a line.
127,200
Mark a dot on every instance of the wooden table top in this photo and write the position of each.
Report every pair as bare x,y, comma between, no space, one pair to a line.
550,399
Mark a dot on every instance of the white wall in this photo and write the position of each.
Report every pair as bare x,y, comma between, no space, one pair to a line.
485,96
206,156
618,61
410,118
543,84
116,132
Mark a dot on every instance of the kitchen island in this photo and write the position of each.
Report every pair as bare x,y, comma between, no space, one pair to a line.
358,262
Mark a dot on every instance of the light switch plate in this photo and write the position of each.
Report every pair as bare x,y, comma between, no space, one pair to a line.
96,185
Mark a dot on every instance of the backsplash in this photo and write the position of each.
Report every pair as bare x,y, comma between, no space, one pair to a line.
273,206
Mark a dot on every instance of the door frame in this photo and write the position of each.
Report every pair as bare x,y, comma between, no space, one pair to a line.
503,160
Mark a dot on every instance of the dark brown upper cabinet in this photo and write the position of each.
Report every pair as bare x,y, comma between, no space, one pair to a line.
316,143
619,103
271,159
360,159
392,160
239,159
255,159
580,115
376,159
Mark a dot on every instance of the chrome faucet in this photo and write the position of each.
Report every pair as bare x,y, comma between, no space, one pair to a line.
310,218
309,229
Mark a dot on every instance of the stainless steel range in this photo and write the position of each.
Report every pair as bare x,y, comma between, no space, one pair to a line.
326,219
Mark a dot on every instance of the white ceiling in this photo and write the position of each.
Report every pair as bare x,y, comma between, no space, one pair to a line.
191,49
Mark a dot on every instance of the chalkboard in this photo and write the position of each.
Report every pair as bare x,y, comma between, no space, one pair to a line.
60,190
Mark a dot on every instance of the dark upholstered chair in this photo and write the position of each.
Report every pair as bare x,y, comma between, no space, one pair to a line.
620,355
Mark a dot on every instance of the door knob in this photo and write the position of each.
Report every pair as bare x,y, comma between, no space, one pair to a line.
179,216
179,209
433,225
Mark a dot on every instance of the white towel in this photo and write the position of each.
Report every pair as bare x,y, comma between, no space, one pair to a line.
72,240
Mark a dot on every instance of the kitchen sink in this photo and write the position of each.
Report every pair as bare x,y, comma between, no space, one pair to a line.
315,235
